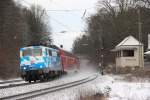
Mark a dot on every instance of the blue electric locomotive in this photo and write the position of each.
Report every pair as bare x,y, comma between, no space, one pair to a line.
39,63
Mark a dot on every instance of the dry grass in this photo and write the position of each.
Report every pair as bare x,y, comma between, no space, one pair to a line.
141,73
97,96
133,71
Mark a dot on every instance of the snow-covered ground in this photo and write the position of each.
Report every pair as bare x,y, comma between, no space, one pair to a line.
119,89
113,87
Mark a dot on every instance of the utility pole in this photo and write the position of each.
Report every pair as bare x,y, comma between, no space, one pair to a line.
102,60
139,4
140,38
102,55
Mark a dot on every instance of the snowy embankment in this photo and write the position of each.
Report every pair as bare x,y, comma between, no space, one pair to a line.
113,87
118,89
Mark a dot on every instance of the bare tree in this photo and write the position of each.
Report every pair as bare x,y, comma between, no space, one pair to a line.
11,27
39,31
111,24
19,27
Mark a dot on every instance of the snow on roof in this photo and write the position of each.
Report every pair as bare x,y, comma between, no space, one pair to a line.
147,53
124,48
129,41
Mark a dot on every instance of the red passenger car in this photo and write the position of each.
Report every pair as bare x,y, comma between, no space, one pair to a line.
69,61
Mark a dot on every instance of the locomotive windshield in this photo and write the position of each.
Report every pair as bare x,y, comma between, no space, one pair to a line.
37,52
32,52
27,52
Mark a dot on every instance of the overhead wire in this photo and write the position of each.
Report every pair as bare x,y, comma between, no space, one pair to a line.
84,11
60,23
70,11
59,10
65,10
73,11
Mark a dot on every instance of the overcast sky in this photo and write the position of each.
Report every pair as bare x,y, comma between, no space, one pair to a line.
65,15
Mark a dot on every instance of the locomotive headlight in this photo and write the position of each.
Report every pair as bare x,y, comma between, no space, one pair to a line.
40,66
24,68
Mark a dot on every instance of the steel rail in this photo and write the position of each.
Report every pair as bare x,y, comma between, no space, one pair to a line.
15,85
23,84
10,81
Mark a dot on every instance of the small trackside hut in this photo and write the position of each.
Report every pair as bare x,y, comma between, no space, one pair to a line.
129,53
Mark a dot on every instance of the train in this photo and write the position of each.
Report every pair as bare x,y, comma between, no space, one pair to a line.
42,62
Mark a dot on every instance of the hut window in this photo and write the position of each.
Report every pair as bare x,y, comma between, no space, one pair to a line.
118,53
128,53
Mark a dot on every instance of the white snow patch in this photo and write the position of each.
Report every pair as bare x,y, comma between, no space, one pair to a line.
108,85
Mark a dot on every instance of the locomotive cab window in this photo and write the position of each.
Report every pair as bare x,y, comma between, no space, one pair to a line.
27,52
37,52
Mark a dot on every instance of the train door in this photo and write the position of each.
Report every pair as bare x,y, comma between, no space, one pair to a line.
55,60
49,55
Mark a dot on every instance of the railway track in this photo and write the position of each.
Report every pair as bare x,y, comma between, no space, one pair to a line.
10,81
19,84
32,94
13,84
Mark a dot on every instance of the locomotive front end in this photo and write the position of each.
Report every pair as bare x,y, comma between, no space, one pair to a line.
32,60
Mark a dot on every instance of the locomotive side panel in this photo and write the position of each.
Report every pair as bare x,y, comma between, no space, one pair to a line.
55,60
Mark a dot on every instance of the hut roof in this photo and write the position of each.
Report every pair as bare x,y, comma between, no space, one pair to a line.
129,41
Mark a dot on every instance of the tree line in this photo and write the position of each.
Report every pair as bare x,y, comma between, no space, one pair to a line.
110,25
19,26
